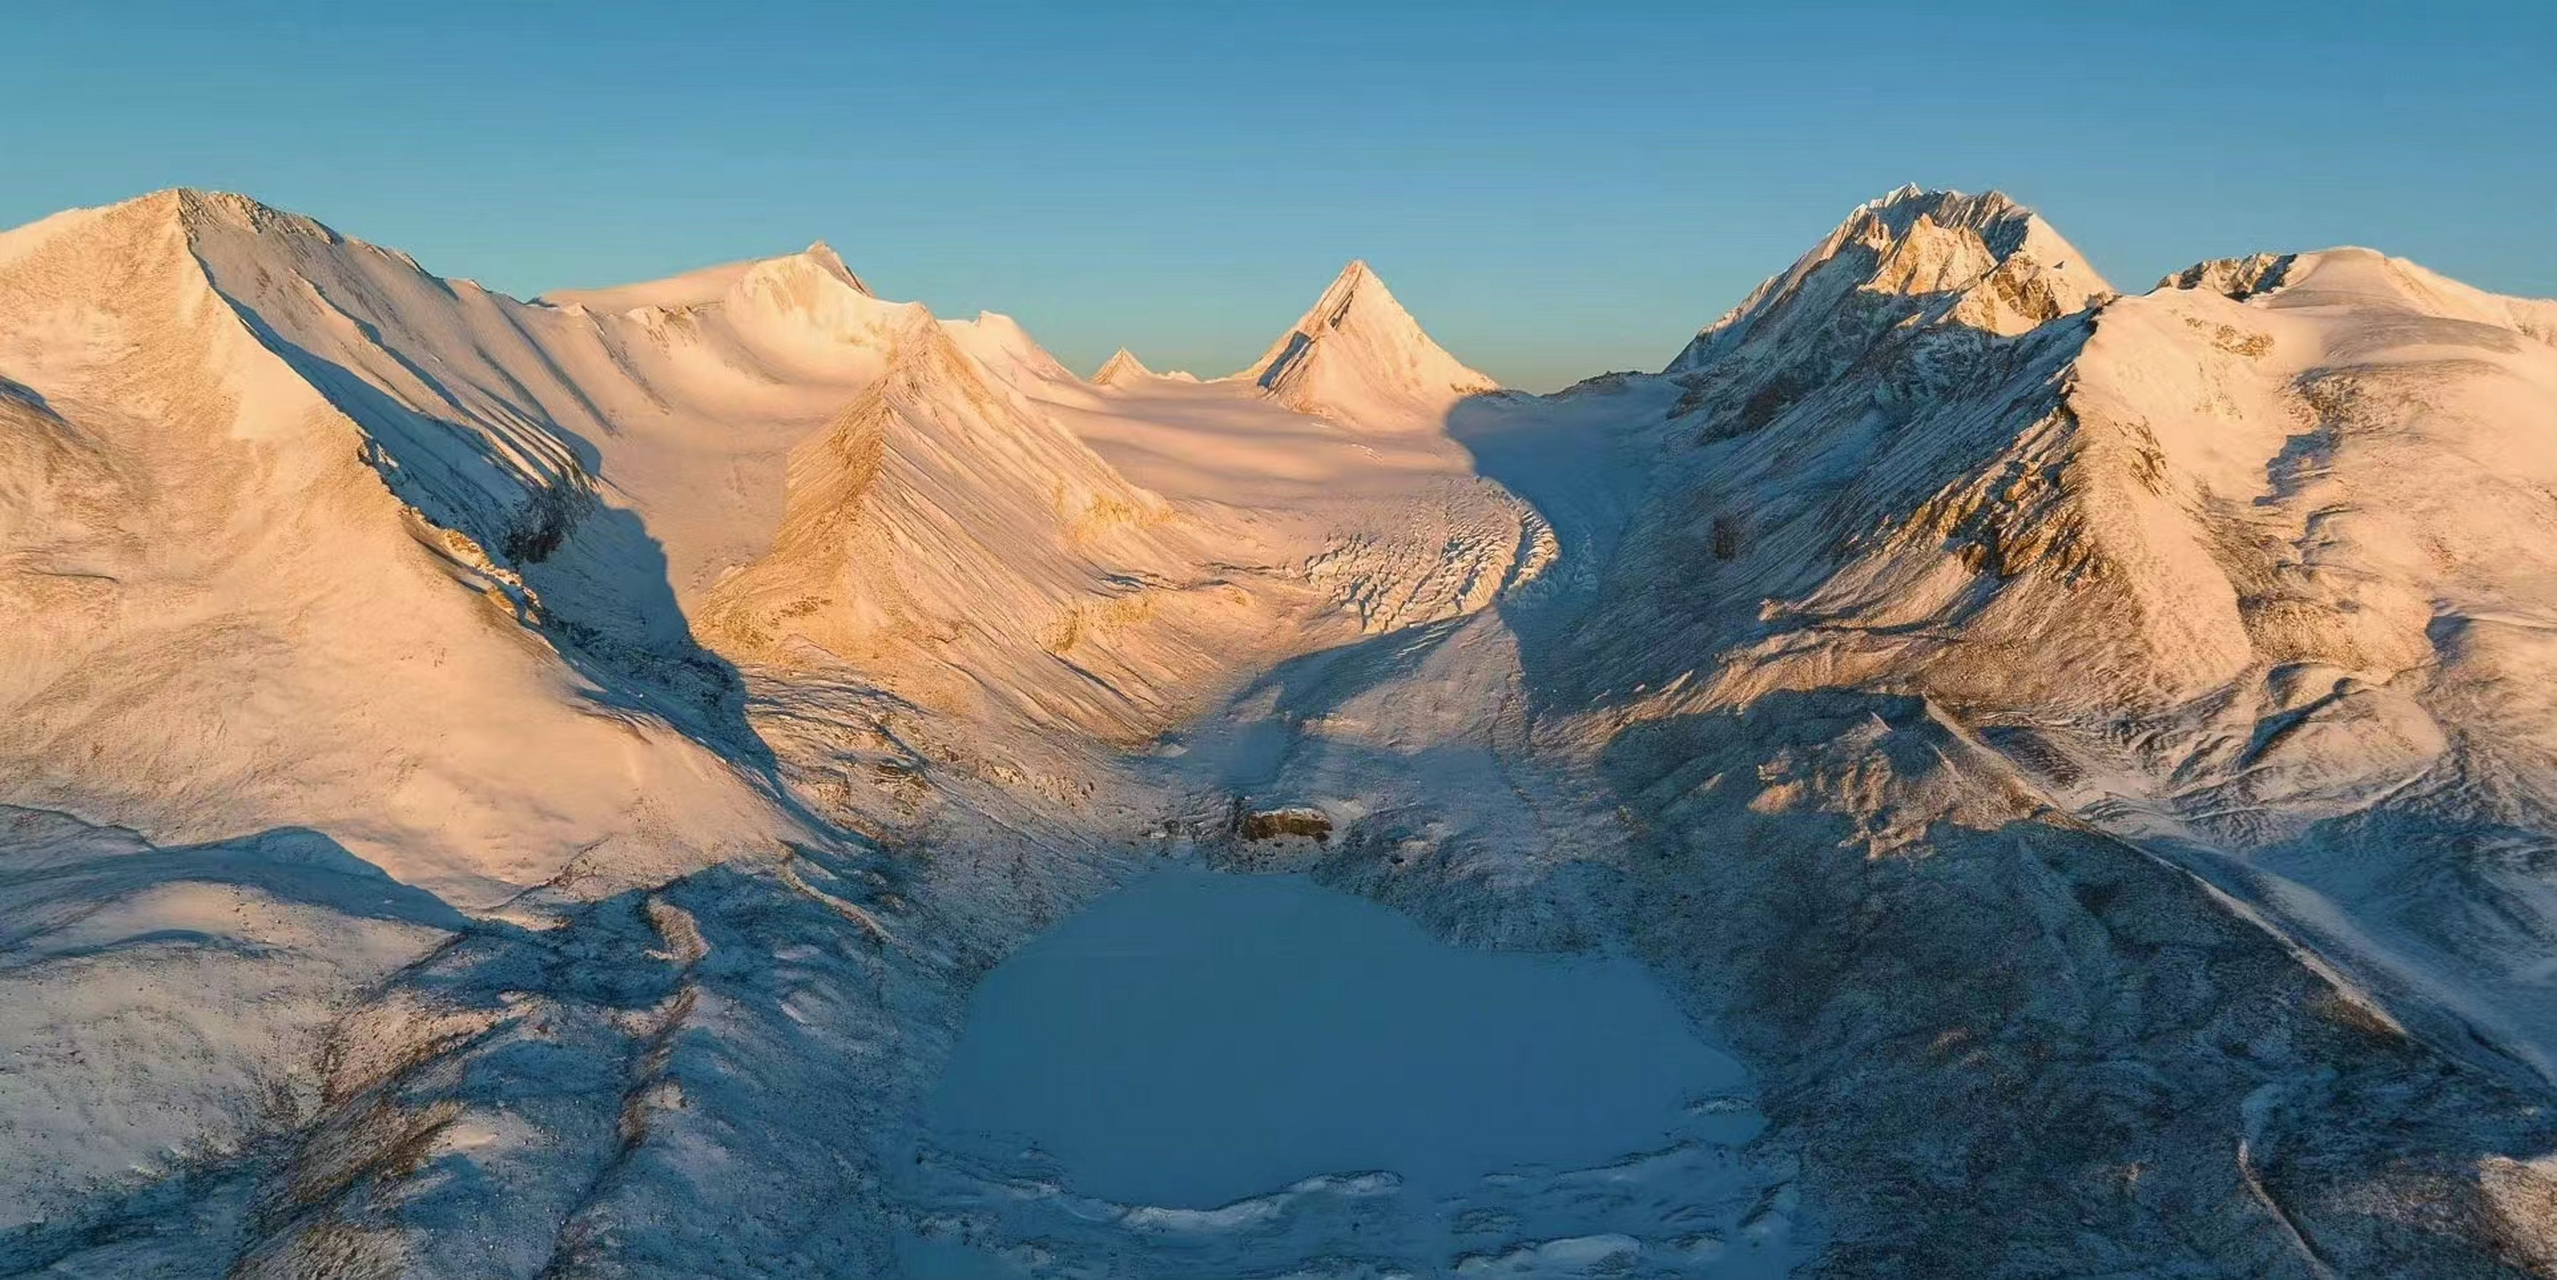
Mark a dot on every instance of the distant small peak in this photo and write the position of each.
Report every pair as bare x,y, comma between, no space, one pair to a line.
1122,366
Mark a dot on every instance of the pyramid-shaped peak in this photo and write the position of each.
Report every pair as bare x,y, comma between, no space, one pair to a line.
1121,367
1356,288
1358,355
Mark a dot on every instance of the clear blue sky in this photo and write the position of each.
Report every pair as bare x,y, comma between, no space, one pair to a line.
1554,189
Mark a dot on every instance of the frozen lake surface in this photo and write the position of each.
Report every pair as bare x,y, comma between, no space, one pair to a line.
1226,1049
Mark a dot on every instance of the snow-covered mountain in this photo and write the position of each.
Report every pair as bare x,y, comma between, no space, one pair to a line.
2230,571
237,625
2244,576
505,787
1357,356
1121,367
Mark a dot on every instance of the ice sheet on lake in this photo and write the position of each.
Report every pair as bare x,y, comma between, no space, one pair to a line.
1205,1069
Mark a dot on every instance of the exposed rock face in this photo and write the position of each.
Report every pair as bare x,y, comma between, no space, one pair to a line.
2236,279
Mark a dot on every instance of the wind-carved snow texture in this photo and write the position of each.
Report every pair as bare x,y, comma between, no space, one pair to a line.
507,787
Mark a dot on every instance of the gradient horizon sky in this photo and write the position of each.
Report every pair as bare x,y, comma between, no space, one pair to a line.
1554,190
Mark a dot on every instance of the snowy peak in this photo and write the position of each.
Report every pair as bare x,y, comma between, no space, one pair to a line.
200,220
1356,284
2001,225
1357,301
822,257
1358,356
2366,279
804,276
1981,261
803,281
1121,368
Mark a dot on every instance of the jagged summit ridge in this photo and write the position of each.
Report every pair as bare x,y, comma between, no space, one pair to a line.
2236,279
1357,355
1982,261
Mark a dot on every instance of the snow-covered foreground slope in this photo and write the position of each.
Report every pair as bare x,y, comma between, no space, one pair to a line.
509,787
229,624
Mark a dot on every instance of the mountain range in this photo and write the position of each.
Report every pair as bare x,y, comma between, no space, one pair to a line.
525,787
